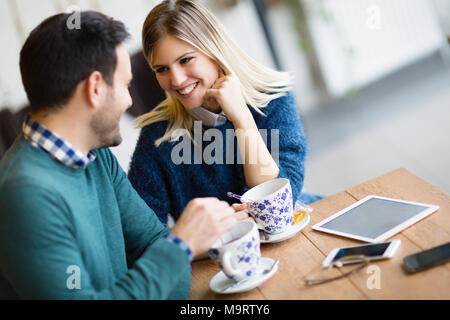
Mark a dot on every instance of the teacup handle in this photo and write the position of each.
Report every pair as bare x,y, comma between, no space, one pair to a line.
228,268
254,219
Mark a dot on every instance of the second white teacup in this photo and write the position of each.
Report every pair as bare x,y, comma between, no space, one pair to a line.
271,205
237,252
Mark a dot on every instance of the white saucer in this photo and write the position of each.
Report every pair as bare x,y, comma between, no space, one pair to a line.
291,231
220,282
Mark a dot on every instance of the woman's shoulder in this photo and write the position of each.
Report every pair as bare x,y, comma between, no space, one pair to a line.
283,107
286,100
152,132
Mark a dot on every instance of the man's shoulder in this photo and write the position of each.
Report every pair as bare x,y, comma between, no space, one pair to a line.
19,161
104,155
24,177
27,166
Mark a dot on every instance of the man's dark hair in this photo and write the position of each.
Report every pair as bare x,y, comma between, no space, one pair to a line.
56,58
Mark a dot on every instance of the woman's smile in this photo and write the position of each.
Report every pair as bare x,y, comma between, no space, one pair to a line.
187,90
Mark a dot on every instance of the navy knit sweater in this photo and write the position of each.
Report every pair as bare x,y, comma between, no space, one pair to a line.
167,187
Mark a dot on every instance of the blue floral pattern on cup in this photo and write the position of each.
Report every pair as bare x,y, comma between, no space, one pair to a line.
249,256
276,214
246,255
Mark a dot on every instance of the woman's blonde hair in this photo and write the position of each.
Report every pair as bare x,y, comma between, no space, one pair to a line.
190,21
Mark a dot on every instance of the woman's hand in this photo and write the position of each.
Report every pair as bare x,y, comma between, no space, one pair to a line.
226,92
259,166
241,213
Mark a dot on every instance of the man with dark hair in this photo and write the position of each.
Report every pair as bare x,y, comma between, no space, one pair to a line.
71,225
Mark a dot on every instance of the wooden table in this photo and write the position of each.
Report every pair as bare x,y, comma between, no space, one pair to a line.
305,251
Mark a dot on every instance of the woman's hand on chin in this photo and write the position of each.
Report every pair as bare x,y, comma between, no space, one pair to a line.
226,92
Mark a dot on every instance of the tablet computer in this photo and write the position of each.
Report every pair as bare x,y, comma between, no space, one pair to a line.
375,218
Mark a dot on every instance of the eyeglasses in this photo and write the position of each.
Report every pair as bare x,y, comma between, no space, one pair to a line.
310,281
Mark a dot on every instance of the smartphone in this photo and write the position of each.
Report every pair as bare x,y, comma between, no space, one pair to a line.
373,251
428,258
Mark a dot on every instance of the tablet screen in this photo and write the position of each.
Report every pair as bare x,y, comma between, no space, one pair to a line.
373,218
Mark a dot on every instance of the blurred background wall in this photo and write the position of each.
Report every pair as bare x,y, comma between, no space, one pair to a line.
372,76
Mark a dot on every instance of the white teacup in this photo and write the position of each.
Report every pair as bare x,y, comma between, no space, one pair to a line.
237,252
271,205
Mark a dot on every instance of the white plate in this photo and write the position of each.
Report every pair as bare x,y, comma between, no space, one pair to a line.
220,282
291,231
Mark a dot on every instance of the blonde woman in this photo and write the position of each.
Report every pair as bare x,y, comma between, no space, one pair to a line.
227,124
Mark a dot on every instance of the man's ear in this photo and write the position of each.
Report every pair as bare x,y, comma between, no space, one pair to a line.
95,89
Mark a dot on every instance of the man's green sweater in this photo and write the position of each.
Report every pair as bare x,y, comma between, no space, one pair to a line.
81,233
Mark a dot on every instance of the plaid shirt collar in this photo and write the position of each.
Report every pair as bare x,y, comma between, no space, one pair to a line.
41,137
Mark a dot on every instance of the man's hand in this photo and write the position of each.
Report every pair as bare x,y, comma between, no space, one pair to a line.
202,222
